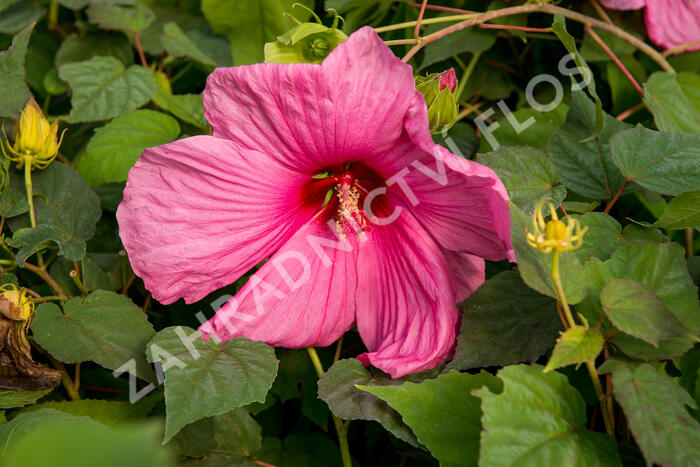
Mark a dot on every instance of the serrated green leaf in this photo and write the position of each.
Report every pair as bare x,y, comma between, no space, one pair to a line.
15,92
559,28
558,437
504,322
220,378
683,212
66,210
675,101
575,345
298,450
535,267
660,267
116,147
337,389
668,163
454,441
177,44
104,327
187,107
103,89
602,238
636,310
129,18
250,24
10,398
587,167
13,202
655,406
77,48
527,174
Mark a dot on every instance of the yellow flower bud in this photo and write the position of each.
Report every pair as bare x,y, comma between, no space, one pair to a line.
36,140
554,234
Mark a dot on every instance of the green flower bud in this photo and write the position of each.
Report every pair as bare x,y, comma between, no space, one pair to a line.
438,90
305,43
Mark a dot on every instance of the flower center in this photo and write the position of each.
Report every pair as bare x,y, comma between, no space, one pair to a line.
349,217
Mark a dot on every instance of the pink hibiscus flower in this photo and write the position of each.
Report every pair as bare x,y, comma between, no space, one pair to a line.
330,171
670,23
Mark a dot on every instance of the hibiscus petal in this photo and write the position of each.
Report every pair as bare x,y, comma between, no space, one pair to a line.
623,4
672,23
463,204
466,272
406,313
303,296
309,116
197,214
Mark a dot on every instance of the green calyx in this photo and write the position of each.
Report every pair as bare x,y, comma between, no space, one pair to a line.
305,43
442,105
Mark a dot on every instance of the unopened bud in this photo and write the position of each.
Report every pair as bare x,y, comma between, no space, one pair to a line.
438,90
36,140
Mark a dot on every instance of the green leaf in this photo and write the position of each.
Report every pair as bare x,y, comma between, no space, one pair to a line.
187,107
10,398
668,163
177,44
116,147
250,24
539,419
203,378
48,437
472,40
13,202
575,345
535,267
19,16
602,238
41,237
535,135
108,413
559,28
104,327
103,89
297,450
15,92
683,212
527,174
454,440
504,322
595,53
675,101
338,389
227,439
77,48
66,210
586,167
636,310
660,267
129,18
655,406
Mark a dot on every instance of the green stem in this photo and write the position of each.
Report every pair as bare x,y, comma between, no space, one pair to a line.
340,427
29,188
589,364
53,14
441,19
78,283
466,74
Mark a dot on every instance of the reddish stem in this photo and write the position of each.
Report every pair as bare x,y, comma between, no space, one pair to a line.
142,56
612,202
416,31
617,61
630,111
515,28
447,9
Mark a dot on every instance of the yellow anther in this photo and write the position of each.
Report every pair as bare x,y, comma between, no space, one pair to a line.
554,234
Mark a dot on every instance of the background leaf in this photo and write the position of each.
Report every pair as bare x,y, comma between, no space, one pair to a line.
575,345
675,101
15,92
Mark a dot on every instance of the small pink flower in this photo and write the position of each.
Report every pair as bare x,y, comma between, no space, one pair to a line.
448,79
670,23
330,172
